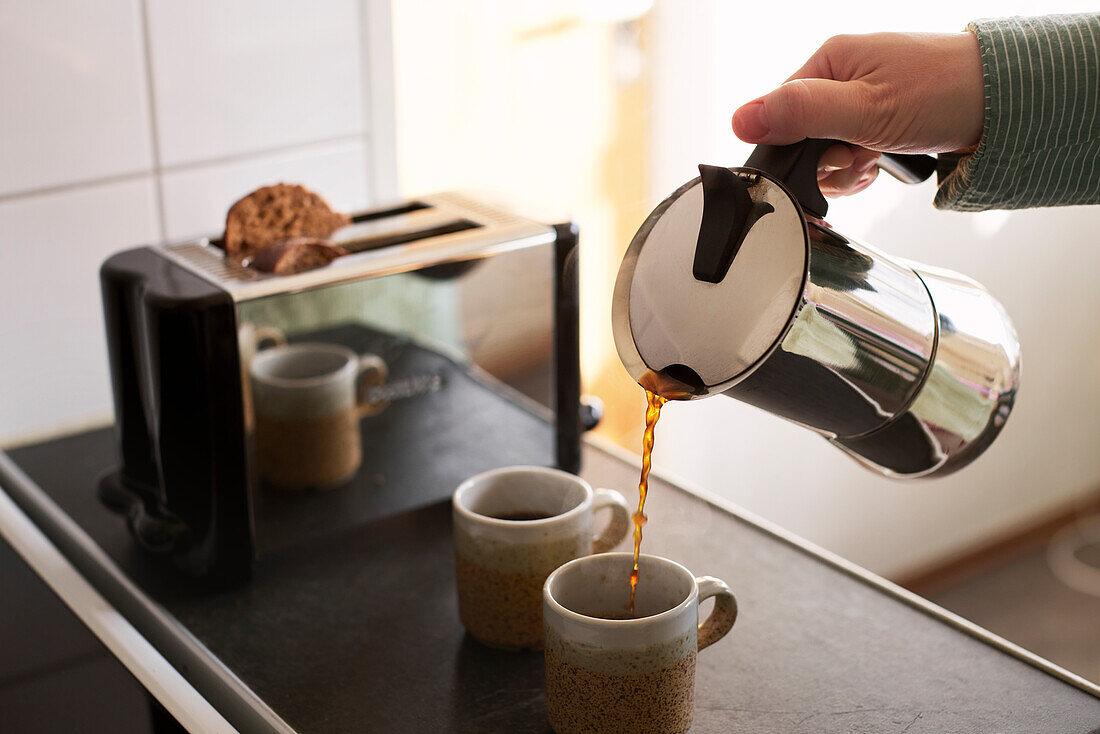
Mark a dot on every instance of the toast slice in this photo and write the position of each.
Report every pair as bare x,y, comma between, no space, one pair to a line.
279,212
295,255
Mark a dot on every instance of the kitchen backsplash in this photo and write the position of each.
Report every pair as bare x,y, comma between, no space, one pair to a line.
126,122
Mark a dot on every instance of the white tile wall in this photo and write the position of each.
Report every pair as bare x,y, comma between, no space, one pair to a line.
123,122
251,75
54,363
195,199
73,103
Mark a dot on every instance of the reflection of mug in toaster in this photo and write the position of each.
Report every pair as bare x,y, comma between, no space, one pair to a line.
251,339
308,402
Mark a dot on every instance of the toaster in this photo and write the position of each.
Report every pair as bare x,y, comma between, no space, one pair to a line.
471,310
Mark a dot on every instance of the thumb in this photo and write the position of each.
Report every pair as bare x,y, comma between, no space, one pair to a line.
806,108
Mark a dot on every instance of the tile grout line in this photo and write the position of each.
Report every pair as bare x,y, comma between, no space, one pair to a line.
260,152
179,167
62,188
379,108
364,96
154,128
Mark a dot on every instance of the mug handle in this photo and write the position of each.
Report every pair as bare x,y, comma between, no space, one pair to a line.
372,373
723,615
616,530
265,333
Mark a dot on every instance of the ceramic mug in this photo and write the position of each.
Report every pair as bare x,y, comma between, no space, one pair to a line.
512,527
308,399
607,671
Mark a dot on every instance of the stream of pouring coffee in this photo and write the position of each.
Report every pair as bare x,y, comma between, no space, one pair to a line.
652,413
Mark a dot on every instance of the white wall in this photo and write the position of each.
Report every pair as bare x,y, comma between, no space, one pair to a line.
522,104
125,122
1042,264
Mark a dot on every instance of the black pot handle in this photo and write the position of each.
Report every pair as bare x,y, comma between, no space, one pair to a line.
910,169
795,166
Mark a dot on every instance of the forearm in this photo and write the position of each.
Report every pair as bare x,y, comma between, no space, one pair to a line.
1041,133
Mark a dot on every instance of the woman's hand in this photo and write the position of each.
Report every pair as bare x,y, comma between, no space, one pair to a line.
895,92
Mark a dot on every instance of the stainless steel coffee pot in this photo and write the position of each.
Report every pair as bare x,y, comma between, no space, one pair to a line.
736,285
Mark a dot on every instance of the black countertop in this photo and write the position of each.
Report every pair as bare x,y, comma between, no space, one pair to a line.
55,675
359,631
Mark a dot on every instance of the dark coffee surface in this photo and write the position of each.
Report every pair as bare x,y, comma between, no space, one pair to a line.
521,516
359,631
617,616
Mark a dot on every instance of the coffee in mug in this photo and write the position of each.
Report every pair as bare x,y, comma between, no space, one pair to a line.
308,399
610,671
512,527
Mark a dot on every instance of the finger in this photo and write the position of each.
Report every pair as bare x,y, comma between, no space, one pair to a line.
806,108
866,180
842,182
835,158
864,159
846,182
842,156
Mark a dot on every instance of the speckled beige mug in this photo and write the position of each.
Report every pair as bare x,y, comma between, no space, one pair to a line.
609,672
308,399
512,527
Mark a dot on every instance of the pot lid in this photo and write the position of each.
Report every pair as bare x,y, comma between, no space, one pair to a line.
710,283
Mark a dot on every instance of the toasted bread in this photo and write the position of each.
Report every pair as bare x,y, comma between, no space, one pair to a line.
295,255
274,213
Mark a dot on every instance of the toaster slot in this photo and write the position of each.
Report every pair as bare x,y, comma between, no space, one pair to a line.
373,243
412,206
410,223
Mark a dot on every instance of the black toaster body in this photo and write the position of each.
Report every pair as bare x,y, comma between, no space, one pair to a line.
473,310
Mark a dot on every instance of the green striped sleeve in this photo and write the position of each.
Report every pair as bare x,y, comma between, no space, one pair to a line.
1040,142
